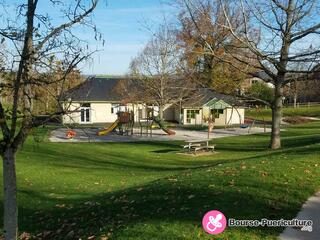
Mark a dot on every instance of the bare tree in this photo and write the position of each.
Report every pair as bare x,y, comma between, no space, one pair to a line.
276,33
302,87
33,42
158,69
45,99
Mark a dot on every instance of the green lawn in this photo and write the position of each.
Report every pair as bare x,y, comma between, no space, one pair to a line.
312,111
147,191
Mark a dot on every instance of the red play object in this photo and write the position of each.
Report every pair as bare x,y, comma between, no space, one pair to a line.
169,131
71,134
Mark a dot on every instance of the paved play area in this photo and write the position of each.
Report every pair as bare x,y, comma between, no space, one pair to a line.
90,135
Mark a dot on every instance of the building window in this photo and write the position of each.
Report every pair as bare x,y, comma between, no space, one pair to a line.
114,108
191,114
85,112
216,112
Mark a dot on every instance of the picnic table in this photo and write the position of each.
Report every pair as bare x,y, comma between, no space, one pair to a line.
196,145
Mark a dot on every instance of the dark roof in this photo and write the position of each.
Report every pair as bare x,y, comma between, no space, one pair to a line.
262,75
106,89
204,95
95,89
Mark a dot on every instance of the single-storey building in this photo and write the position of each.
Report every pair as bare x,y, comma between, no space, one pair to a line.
97,100
223,109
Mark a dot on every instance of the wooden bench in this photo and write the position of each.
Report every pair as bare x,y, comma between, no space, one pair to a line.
197,145
211,147
189,146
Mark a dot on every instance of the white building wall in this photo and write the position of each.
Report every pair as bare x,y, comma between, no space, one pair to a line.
185,117
221,120
73,117
218,121
101,113
237,115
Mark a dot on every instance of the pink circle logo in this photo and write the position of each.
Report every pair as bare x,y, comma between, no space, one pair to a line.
214,222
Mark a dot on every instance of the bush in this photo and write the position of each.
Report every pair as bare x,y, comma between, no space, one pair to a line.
262,91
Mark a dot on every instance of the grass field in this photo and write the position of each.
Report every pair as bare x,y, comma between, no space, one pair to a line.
147,191
312,111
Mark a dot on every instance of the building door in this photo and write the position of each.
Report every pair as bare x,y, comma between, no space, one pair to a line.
85,113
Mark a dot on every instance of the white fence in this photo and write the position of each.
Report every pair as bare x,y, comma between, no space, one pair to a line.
305,104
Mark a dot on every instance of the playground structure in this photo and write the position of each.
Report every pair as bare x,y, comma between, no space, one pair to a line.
124,124
149,123
126,121
146,120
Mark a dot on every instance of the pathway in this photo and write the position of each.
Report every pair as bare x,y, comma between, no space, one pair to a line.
90,135
310,211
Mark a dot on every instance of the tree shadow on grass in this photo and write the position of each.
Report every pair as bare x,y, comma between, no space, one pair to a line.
175,202
164,151
293,142
167,201
288,142
87,162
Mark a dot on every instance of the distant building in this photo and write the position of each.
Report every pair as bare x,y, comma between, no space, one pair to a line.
97,101
260,76
305,89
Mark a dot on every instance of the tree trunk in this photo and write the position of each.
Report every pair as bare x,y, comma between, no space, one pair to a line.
161,111
275,142
10,218
295,100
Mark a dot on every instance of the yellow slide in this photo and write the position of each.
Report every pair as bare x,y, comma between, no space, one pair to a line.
109,129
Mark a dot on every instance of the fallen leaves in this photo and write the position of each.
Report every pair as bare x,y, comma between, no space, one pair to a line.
231,183
173,179
264,174
191,196
243,167
25,236
60,205
70,235
307,171
92,203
